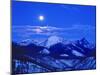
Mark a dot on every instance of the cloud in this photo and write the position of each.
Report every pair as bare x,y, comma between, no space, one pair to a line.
70,33
73,31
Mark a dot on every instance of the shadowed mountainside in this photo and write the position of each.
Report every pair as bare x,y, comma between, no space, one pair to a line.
78,55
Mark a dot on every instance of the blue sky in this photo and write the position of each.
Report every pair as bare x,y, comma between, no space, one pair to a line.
68,21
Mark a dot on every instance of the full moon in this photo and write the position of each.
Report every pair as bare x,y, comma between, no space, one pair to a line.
41,18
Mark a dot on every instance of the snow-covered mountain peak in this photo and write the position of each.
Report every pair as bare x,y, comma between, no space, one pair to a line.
28,41
53,40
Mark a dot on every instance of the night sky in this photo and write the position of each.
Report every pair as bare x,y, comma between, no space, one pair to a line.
71,22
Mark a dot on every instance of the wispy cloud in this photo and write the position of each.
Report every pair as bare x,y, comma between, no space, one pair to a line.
46,30
73,31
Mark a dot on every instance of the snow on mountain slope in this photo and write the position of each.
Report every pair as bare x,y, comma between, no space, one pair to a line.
77,53
53,40
76,48
28,41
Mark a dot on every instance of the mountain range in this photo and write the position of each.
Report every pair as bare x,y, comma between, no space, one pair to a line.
54,49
